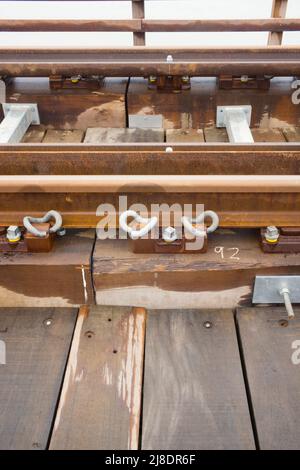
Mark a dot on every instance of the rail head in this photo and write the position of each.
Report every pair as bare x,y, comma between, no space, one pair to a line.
150,184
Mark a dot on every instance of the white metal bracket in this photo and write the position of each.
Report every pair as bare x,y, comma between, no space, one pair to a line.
18,117
237,121
277,290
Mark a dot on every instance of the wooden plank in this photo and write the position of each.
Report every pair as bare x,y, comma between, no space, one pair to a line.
222,276
34,135
194,393
28,279
212,134
292,134
63,136
271,350
279,10
260,135
268,135
184,135
117,135
101,395
138,12
37,345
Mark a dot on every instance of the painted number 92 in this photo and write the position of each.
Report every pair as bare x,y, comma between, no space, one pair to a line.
228,253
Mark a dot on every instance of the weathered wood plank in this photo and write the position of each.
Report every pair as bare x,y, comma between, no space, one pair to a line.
101,397
54,136
194,394
292,134
260,135
34,135
279,10
184,135
270,347
37,345
222,276
61,278
268,135
212,134
117,135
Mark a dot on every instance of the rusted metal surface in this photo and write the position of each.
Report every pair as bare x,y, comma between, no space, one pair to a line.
142,61
288,242
131,160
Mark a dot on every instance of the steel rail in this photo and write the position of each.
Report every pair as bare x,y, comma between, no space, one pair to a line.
143,61
152,183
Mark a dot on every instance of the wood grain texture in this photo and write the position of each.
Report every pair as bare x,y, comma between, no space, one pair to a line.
34,135
292,134
63,136
36,355
222,276
194,394
114,135
273,378
101,397
61,278
184,135
279,10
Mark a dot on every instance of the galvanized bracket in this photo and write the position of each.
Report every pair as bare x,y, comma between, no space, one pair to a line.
277,290
18,117
237,121
145,121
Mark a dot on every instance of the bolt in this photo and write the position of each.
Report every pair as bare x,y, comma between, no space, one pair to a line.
61,232
48,322
152,79
76,79
13,234
169,150
185,79
170,58
244,78
170,235
272,234
207,325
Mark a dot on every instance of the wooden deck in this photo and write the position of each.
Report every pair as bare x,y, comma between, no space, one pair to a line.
123,378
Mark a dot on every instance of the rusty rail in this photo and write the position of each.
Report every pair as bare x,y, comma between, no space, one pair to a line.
241,201
144,61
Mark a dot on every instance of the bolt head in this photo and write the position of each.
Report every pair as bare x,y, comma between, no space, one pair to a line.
272,234
13,233
170,234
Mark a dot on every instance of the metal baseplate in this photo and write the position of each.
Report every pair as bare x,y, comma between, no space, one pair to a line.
277,290
222,110
32,107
